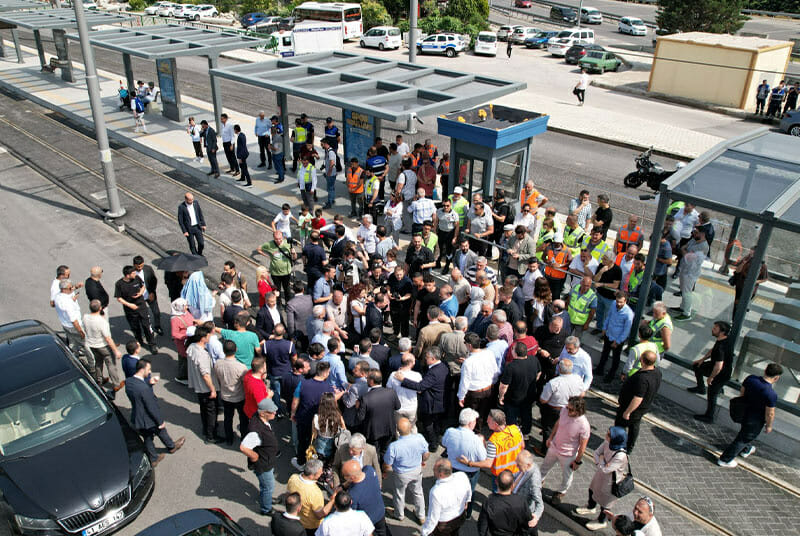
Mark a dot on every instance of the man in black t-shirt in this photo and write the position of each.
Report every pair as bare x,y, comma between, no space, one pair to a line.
603,215
636,396
314,258
400,295
551,338
129,291
717,365
518,390
606,283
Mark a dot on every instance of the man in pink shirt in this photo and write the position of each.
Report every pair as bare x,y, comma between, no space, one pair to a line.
567,443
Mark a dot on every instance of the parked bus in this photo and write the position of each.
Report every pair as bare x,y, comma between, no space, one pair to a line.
349,15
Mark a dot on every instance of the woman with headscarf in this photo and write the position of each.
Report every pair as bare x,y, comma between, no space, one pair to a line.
180,321
476,295
198,297
611,460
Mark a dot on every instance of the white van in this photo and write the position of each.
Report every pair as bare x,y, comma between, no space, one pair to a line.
486,44
558,45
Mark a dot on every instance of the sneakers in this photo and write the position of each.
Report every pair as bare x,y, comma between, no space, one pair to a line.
584,511
596,525
748,451
296,465
731,464
682,318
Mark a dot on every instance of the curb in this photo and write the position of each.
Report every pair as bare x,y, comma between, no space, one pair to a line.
620,143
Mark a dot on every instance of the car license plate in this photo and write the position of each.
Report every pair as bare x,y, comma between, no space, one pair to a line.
103,523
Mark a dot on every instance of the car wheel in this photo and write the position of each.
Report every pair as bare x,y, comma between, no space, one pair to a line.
602,70
794,130
450,52
419,50
197,17
363,44
616,67
380,46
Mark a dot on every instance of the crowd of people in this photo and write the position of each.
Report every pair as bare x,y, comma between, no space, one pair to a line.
374,353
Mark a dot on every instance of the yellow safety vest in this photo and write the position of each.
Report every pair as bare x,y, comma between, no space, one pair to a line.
432,241
638,350
307,173
300,134
634,280
580,305
573,239
656,326
508,444
460,207
597,251
543,237
371,185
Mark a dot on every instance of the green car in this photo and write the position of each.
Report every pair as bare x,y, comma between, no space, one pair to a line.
600,61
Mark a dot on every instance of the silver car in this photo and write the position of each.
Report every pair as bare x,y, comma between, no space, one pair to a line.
791,123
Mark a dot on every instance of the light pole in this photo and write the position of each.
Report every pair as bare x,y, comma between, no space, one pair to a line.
580,9
115,210
412,31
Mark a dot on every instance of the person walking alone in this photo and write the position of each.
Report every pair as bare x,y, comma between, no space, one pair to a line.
580,87
717,365
241,155
192,223
508,49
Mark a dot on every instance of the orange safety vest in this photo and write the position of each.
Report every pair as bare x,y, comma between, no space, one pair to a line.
508,444
618,260
626,237
414,160
530,200
446,167
355,184
431,151
557,271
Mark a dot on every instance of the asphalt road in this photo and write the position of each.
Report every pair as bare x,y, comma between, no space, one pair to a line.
44,227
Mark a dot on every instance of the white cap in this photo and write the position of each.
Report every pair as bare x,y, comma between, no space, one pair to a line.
458,190
559,237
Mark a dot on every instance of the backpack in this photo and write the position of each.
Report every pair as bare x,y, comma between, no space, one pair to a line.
139,106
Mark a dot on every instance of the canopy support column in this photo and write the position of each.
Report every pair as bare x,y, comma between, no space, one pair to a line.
128,67
37,38
62,51
15,38
216,93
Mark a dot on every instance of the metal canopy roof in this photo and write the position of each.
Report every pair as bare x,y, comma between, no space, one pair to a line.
58,19
168,41
755,176
20,5
387,89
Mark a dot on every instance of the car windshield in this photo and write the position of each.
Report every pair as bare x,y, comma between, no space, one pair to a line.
596,55
565,33
394,31
487,38
49,416
635,22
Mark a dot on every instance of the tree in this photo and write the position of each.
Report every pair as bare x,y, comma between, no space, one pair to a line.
468,10
713,16
374,14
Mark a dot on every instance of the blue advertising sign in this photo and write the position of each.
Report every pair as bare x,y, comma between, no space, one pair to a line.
359,135
166,80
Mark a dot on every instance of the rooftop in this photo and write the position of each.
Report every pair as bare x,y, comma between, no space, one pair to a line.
739,42
58,19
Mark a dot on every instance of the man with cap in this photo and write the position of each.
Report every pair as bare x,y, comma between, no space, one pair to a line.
334,139
556,259
261,448
460,205
276,144
504,242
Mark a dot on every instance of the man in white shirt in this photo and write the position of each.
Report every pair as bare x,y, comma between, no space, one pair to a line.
581,360
62,272
345,520
447,500
227,145
402,147
581,266
529,282
366,234
102,346
407,187
478,373
69,315
555,395
626,262
580,87
408,397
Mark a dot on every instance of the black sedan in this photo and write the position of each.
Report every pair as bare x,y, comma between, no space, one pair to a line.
197,522
69,461
576,53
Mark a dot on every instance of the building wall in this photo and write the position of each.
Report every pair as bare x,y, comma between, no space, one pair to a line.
768,66
700,80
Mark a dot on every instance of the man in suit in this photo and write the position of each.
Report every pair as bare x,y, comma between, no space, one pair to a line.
145,413
356,449
241,155
269,316
192,223
298,310
377,412
373,317
528,484
146,273
210,142
288,523
464,258
430,405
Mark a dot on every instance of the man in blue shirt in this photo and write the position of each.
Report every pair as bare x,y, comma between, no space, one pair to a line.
463,441
322,287
405,457
365,490
262,129
616,330
759,413
762,92
338,377
334,138
449,304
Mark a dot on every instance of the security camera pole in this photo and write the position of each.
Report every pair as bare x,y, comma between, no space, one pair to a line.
114,208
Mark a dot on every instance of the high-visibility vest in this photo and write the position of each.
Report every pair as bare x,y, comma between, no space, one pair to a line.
657,326
355,184
371,185
558,269
625,237
431,242
544,236
460,207
597,251
638,350
431,151
573,239
446,167
634,280
300,134
579,305
307,173
618,259
530,200
508,444
674,207
414,160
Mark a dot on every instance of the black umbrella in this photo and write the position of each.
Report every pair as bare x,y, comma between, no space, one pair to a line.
182,262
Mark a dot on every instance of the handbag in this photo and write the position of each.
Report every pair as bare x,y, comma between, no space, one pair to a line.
737,407
624,486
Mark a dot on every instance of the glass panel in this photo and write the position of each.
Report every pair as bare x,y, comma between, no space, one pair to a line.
470,176
507,177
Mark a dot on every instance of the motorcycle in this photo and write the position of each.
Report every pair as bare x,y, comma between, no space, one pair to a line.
649,172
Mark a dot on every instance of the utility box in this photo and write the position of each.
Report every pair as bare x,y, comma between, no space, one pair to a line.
717,68
490,149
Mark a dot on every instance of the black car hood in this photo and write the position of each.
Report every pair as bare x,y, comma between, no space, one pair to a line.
73,476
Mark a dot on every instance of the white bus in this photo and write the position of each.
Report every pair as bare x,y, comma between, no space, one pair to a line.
349,15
